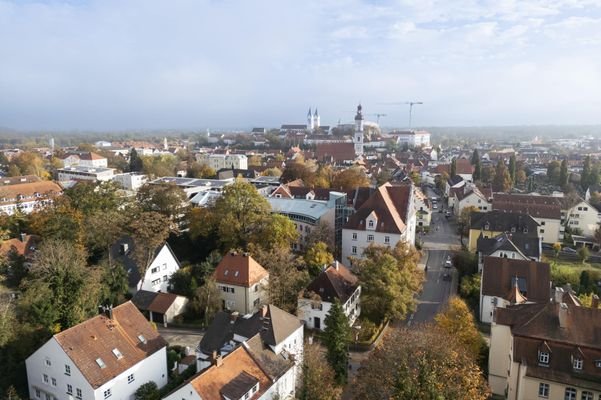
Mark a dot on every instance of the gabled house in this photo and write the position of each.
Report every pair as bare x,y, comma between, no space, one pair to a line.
28,196
335,282
454,182
250,372
242,283
109,355
469,196
548,350
386,218
156,278
279,332
493,223
507,245
508,281
160,307
423,208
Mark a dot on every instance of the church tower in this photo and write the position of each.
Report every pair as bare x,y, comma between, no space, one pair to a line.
310,124
316,119
358,136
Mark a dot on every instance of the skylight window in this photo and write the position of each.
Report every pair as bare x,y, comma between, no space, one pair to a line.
237,272
117,353
226,271
142,339
100,363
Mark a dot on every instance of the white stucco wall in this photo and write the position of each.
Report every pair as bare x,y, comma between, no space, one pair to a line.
164,265
361,242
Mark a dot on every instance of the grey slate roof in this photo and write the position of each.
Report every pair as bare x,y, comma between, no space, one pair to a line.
527,245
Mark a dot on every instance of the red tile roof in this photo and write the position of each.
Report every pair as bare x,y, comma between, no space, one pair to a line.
96,338
240,270
337,151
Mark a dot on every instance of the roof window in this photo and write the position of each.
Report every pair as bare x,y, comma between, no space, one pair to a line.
100,363
236,273
226,271
117,353
142,339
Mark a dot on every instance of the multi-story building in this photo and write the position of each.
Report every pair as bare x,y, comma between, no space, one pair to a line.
508,245
242,283
386,218
27,197
85,159
546,351
335,282
423,208
412,138
220,161
82,173
109,355
493,223
508,281
131,180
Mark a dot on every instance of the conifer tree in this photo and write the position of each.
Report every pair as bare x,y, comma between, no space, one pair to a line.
336,337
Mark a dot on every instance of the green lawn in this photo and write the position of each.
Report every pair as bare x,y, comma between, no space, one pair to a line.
563,272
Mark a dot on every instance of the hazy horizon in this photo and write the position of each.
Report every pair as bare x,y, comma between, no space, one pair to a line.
150,65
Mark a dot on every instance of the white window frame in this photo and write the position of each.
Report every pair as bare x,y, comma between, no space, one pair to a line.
577,364
543,390
570,393
543,357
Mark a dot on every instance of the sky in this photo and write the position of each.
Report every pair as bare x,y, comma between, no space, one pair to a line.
196,64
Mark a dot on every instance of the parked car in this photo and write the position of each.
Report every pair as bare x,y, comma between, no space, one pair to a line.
448,263
569,250
434,206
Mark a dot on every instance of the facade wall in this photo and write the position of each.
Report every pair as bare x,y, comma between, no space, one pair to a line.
472,201
353,247
153,368
158,274
177,308
99,163
549,230
475,234
131,181
242,299
308,310
220,161
500,254
499,358
101,176
529,389
584,217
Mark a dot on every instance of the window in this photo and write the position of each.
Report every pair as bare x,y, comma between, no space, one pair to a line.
78,393
354,236
69,389
256,287
256,302
164,266
370,238
107,393
354,250
100,363
386,239
53,381
570,394
48,363
48,396
543,357
67,370
232,290
130,378
117,353
156,282
142,339
577,363
371,224
154,270
586,396
542,231
165,278
37,393
542,223
45,378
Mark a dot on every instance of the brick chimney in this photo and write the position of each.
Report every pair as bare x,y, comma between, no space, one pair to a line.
595,301
563,315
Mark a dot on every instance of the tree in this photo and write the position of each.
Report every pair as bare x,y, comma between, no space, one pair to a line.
149,230
272,172
556,249
90,197
335,337
156,166
28,163
464,221
148,391
103,229
475,157
317,256
553,171
318,377
115,284
278,231
477,171
135,162
458,322
512,168
200,171
61,291
521,177
502,180
167,199
583,253
563,173
453,167
441,181
296,170
488,174
60,221
586,173
349,179
389,279
420,363
208,300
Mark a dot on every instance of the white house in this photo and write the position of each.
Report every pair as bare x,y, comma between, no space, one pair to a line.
248,372
336,282
423,208
89,160
508,245
279,332
470,196
131,180
412,138
82,173
386,218
508,281
108,356
242,283
220,161
158,273
160,307
27,197
581,215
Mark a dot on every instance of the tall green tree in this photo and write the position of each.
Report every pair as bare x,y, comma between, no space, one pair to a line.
135,162
389,281
102,229
89,197
319,381
148,230
148,391
349,179
60,221
586,173
167,199
502,179
61,291
336,336
563,173
512,168
318,256
453,167
477,171
475,157
553,171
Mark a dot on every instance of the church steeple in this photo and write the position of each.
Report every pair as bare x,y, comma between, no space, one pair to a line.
316,119
358,136
310,123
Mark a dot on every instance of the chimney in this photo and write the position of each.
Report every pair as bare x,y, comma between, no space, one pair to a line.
558,295
336,265
23,237
563,315
245,254
109,312
234,316
595,301
264,310
216,359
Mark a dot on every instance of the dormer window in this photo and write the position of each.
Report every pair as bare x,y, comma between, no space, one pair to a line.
142,339
371,224
486,227
117,353
598,363
100,363
513,229
577,364
525,230
543,357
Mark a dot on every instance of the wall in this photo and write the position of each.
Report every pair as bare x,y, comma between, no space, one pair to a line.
549,230
584,217
472,200
167,266
498,358
236,301
361,242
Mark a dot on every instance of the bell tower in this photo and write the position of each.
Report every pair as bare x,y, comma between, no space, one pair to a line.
358,136
310,124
